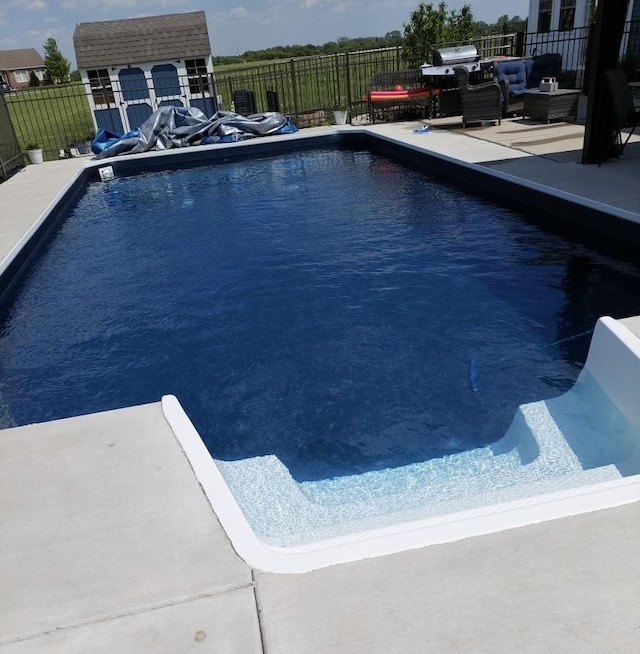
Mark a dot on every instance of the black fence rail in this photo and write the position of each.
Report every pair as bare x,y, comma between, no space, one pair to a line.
53,117
488,46
59,118
573,44
11,156
315,84
303,85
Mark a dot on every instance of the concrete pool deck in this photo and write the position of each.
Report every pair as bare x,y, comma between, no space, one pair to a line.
109,545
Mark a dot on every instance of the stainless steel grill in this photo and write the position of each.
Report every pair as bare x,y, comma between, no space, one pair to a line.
462,54
444,59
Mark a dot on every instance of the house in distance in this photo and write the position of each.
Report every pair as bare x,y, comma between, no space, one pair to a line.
16,67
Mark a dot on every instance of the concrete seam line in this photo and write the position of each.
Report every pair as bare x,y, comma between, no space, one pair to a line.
126,614
258,611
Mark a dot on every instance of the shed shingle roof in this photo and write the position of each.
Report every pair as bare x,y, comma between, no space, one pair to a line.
25,59
141,40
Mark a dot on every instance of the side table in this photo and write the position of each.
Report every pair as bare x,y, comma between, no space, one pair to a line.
547,105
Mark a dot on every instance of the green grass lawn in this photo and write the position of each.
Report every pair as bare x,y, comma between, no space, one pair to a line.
53,116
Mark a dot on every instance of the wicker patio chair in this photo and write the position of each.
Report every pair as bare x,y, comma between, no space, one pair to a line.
625,115
480,102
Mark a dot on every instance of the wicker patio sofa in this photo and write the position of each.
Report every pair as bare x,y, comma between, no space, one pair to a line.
396,94
519,75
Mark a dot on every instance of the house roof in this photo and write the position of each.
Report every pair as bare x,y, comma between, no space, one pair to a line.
141,40
26,59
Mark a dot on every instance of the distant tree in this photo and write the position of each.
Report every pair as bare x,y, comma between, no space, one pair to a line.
75,76
461,26
57,66
428,27
33,79
341,44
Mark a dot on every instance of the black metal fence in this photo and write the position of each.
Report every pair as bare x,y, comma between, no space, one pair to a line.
60,117
326,82
10,152
52,117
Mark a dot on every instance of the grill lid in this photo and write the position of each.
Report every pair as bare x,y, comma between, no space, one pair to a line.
460,54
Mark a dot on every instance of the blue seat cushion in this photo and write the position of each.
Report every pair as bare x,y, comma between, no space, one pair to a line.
515,73
546,65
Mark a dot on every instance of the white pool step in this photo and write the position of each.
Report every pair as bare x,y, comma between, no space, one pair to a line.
532,458
451,469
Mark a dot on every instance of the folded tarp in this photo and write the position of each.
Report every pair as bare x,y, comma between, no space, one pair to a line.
179,127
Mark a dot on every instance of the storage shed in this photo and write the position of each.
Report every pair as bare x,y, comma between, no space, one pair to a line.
131,67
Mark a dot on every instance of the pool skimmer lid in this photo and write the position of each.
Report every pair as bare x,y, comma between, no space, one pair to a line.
106,173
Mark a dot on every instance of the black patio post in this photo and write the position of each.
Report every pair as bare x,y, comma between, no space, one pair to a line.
603,53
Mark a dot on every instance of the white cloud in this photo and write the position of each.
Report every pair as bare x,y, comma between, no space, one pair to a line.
114,4
238,13
42,35
342,7
29,5
333,6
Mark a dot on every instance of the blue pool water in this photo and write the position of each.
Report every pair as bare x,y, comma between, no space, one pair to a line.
333,308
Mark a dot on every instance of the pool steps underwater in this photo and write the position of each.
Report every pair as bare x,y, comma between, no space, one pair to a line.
577,439
568,455
285,513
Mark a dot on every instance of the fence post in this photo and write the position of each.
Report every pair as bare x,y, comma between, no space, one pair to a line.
347,77
10,152
337,78
519,44
294,86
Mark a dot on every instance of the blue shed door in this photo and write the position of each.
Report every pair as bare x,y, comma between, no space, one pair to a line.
109,119
165,82
134,87
137,114
133,84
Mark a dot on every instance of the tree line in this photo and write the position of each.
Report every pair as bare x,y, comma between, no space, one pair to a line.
427,26
342,44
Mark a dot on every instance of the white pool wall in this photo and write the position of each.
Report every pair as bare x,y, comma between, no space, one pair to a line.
614,363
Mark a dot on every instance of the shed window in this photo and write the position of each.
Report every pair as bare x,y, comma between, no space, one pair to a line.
21,76
101,88
197,75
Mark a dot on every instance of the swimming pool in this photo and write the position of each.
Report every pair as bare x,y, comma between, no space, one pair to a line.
371,320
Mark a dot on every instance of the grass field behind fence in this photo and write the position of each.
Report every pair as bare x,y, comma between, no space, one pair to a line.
55,117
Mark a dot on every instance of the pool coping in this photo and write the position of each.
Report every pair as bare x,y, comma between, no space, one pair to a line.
388,540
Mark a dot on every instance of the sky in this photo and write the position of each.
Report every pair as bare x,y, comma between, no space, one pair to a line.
235,26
